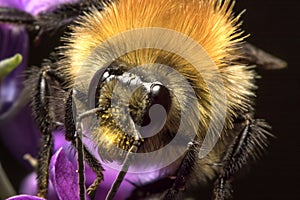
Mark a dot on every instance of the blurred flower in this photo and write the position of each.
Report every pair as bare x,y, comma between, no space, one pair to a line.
13,40
17,128
33,7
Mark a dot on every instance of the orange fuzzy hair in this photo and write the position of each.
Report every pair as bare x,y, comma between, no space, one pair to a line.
209,22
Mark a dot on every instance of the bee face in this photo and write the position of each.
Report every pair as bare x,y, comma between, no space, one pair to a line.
134,99
126,98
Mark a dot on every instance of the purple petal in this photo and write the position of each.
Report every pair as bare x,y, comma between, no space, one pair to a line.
33,6
12,3
63,176
29,186
25,197
13,40
65,179
60,141
36,6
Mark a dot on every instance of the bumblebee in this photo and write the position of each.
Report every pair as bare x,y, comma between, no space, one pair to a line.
164,86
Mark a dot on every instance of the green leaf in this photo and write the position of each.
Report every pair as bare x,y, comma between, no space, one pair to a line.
9,64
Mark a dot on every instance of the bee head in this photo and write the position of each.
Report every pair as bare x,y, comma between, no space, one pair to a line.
131,101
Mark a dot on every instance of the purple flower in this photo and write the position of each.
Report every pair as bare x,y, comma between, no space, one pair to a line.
14,39
33,7
18,131
63,176
64,179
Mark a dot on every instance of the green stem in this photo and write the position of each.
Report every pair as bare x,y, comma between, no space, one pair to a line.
9,64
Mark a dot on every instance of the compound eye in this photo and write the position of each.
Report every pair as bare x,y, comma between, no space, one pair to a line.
159,94
94,87
103,75
159,105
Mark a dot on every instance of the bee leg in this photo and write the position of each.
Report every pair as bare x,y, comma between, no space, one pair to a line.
46,78
97,168
249,144
184,171
83,152
43,164
125,166
41,108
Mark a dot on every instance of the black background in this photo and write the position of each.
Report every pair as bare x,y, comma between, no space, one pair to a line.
273,25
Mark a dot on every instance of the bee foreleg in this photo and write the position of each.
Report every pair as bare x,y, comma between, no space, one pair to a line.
184,171
125,166
248,145
83,152
44,119
97,168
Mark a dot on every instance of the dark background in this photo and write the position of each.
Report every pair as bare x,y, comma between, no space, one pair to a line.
273,25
